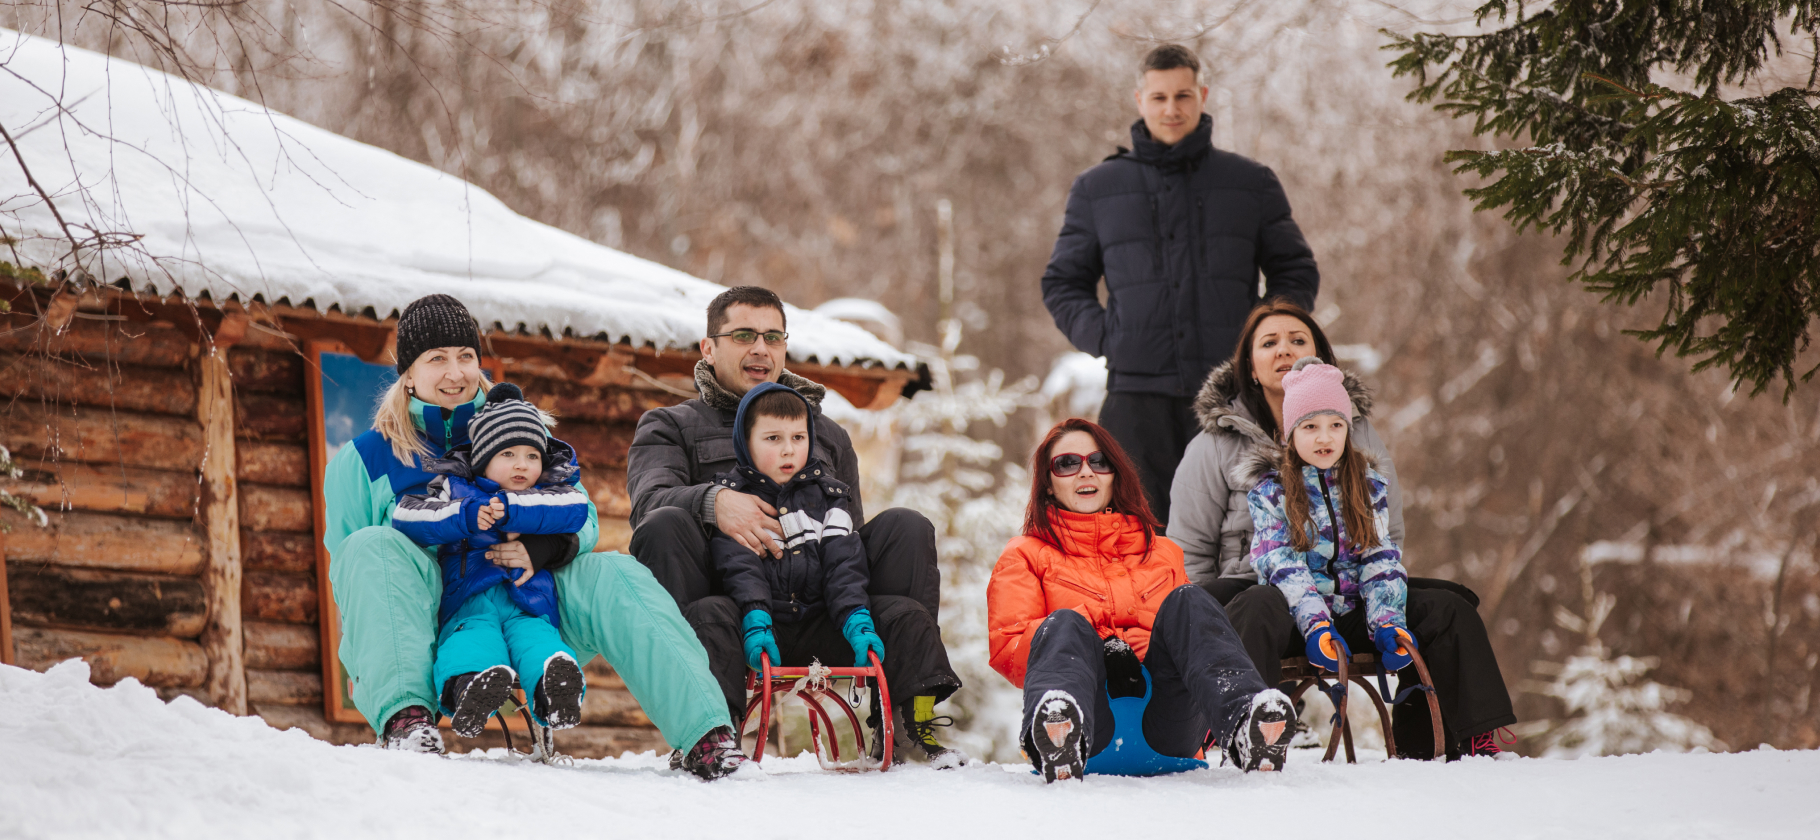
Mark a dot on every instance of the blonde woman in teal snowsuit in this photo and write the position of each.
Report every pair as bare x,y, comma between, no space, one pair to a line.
387,588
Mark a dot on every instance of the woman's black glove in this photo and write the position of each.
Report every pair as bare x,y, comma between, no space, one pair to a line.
551,551
1124,673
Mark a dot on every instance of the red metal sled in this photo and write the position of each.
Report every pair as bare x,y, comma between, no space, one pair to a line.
810,684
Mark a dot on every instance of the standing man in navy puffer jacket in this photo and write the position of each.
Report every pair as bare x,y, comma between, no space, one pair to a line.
1180,231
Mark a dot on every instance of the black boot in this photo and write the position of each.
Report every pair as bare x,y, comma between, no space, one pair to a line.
472,698
413,729
717,755
558,694
1058,737
1261,740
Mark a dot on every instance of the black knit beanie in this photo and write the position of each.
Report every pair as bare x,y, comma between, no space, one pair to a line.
434,321
506,420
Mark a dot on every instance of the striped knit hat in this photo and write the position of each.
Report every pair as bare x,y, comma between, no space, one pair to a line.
506,420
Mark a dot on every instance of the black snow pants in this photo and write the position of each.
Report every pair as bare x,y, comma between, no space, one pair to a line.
1154,429
900,556
1450,636
1201,680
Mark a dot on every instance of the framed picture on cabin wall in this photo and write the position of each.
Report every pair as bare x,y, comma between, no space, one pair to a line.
341,390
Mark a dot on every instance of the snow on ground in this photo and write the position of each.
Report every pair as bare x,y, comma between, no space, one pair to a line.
81,761
238,201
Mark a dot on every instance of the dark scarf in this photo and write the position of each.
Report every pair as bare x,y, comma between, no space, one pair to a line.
718,397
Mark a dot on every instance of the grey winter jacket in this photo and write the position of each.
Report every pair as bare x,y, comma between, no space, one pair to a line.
677,451
1179,233
1209,516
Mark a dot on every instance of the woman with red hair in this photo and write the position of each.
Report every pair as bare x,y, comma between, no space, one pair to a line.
1090,599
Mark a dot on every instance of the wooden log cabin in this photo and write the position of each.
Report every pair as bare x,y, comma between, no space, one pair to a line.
170,441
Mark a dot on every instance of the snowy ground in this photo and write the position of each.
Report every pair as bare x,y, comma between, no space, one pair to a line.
79,761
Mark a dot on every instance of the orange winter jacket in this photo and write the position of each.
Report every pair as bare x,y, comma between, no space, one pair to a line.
1100,571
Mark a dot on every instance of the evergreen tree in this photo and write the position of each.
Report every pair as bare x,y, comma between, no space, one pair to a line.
1709,200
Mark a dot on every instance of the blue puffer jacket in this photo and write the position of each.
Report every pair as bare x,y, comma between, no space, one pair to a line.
447,515
1179,233
824,563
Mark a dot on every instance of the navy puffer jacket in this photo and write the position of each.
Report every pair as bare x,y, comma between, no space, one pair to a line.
445,515
1179,233
824,563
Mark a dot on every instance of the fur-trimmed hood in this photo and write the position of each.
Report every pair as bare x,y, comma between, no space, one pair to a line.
717,396
1220,413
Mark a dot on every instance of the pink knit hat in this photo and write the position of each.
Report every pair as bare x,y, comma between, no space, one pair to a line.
1313,387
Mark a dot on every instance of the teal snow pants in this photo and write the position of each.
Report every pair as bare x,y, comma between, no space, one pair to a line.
387,590
488,630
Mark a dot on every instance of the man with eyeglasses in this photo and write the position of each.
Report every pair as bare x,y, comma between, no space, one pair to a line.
676,454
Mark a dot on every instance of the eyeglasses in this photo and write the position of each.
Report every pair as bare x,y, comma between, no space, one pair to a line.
1068,464
746,338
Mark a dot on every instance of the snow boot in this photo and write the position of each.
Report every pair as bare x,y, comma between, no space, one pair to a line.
1261,740
1058,737
919,721
717,755
1305,738
558,694
473,697
412,729
1486,744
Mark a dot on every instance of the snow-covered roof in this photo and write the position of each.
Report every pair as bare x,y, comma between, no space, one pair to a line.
239,202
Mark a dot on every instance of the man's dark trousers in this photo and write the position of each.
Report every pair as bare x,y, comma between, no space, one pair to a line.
900,554
1201,678
1154,429
1450,635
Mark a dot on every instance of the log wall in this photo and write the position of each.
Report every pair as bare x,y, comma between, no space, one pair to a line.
102,418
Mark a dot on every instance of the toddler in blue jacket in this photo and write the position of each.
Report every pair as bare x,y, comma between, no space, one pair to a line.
499,622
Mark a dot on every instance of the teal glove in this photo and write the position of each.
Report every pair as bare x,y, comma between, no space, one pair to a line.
759,638
861,635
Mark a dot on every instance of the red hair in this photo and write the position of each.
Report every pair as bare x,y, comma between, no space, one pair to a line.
1127,491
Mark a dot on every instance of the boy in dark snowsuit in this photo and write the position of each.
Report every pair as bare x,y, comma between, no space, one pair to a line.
512,479
812,603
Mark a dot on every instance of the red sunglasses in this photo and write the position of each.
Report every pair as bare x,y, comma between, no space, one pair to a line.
1068,464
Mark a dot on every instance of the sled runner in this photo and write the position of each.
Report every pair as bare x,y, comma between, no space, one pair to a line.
1355,670
810,684
543,738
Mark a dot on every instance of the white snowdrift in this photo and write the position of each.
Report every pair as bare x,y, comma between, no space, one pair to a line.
238,202
81,761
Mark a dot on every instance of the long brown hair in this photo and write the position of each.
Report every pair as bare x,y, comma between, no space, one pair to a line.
1251,394
1127,492
1355,498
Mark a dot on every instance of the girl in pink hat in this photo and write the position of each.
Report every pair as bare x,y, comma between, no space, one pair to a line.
1323,542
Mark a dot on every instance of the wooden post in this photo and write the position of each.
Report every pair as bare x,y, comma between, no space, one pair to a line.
222,638
7,657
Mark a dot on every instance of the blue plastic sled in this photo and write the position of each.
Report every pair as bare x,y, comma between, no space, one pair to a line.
1129,754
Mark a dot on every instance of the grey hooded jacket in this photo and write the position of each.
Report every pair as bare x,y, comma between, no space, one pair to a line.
677,451
1208,514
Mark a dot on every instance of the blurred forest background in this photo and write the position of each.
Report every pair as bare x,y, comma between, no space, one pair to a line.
1604,502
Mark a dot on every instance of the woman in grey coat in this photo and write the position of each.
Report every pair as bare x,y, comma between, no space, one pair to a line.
1240,410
